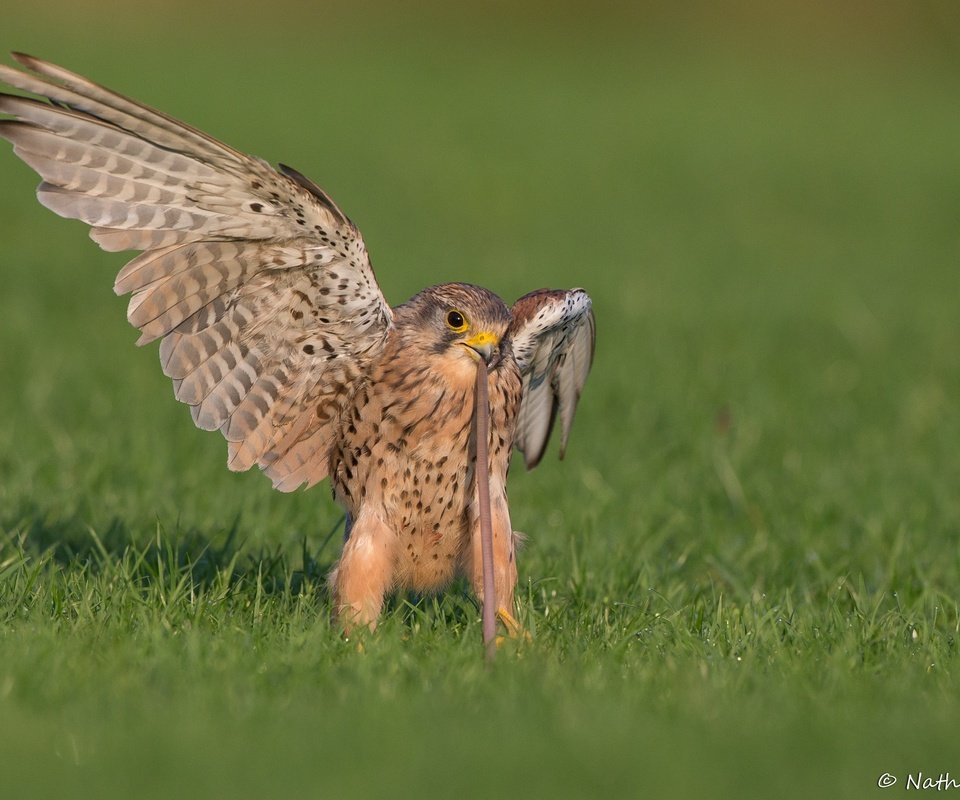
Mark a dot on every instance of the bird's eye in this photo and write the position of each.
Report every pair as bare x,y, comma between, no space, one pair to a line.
456,321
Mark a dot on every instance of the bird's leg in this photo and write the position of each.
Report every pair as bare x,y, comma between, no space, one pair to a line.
364,573
504,559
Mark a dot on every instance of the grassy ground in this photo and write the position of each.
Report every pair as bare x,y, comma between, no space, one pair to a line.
745,578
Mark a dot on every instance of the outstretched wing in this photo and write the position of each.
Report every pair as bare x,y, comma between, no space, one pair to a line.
258,285
553,333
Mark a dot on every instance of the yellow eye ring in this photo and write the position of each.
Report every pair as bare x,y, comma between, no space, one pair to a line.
456,321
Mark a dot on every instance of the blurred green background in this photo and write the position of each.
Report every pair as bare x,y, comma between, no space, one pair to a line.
744,578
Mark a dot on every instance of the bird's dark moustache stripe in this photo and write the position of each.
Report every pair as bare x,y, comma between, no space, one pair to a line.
444,343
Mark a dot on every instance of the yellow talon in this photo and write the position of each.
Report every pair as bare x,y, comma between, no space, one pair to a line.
514,629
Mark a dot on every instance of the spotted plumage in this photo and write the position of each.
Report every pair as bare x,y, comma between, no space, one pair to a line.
275,332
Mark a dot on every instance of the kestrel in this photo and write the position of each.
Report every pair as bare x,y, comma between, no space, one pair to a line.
275,332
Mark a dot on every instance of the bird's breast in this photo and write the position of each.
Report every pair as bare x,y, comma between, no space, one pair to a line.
406,446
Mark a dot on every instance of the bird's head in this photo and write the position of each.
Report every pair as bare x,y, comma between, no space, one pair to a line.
460,322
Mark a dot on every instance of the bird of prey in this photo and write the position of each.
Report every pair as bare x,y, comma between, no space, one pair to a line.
275,332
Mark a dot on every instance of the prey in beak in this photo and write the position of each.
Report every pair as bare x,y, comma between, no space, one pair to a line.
487,346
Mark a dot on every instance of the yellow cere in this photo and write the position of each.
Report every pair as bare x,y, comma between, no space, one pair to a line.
482,338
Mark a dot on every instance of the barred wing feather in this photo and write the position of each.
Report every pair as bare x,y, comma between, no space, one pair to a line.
259,287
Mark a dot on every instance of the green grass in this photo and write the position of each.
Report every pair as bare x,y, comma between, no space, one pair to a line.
743,581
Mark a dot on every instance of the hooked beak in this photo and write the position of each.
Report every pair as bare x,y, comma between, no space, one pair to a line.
485,345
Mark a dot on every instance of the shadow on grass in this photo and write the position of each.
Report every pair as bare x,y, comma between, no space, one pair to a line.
206,557
191,561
